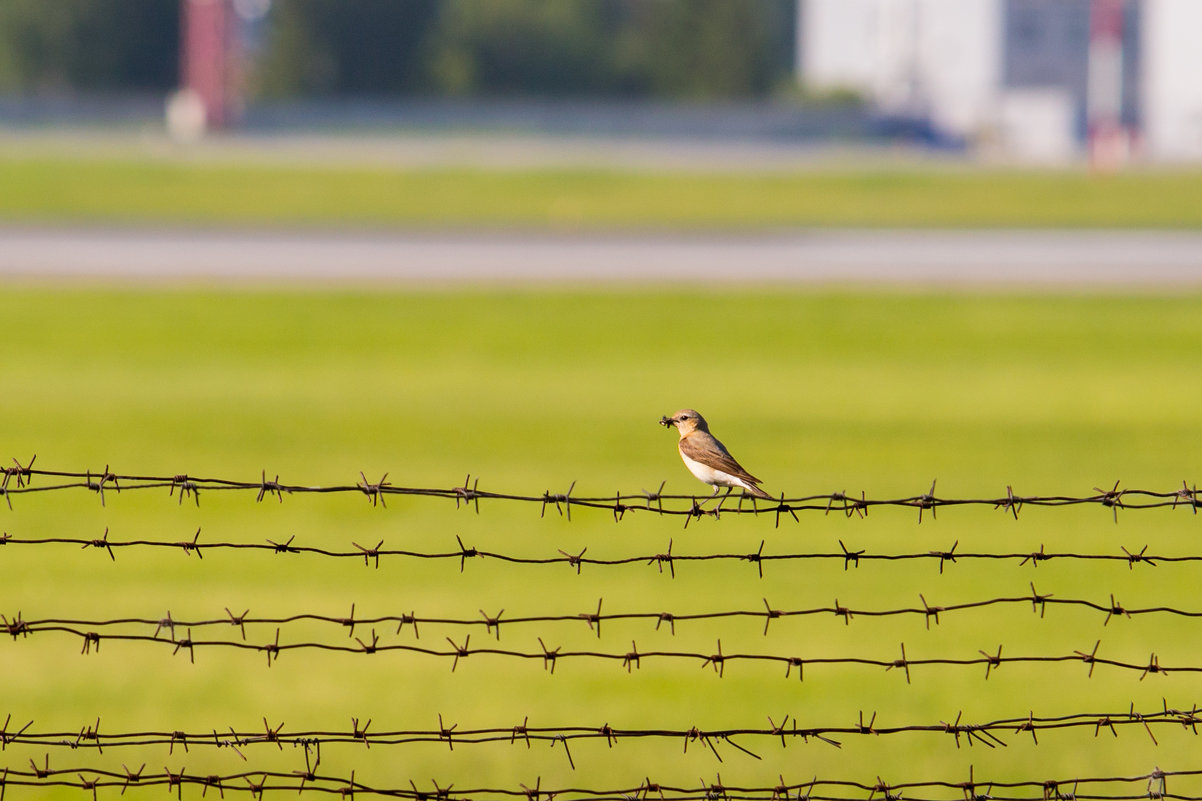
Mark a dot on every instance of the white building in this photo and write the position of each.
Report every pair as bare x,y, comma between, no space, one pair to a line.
1030,79
1172,86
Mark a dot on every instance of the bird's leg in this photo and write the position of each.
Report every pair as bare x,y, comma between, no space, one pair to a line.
711,497
724,497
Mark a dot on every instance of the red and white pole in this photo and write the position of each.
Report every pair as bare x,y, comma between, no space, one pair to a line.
1108,139
209,60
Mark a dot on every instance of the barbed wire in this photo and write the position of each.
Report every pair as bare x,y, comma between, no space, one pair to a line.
688,506
988,733
21,626
371,555
629,660
256,783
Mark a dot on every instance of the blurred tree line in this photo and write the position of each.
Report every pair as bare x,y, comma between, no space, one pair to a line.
88,45
614,48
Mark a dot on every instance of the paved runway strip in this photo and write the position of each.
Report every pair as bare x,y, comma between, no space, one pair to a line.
1149,259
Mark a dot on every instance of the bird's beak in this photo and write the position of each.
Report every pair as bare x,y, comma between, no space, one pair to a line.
665,421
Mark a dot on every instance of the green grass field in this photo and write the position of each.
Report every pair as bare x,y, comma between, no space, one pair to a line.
123,190
813,390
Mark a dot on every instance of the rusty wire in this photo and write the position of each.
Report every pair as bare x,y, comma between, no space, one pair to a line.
186,486
987,733
1152,786
551,657
663,561
593,619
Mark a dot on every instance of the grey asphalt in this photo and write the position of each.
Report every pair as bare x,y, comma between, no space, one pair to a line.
1075,259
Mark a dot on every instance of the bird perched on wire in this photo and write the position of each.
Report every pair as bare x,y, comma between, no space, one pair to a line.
707,458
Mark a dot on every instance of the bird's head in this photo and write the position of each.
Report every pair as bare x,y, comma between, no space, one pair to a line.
685,420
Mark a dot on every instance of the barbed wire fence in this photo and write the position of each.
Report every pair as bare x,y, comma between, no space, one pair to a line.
355,636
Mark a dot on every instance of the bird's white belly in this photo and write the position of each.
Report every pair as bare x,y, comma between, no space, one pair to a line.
710,475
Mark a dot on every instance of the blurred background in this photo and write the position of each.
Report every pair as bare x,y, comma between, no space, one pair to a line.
1021,80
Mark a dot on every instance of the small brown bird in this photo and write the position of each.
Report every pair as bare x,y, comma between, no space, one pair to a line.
707,458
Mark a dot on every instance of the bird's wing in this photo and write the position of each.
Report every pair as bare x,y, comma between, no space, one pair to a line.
704,448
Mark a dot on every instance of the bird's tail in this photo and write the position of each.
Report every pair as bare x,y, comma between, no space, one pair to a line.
756,491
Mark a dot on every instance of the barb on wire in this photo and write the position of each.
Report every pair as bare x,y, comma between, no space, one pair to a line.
686,506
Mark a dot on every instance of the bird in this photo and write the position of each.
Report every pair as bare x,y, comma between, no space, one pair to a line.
707,458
